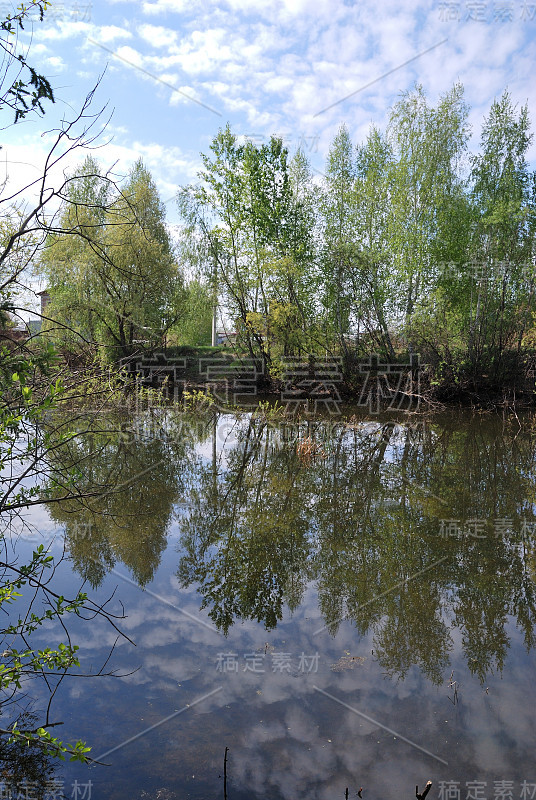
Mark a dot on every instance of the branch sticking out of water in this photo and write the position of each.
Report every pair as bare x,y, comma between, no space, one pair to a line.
424,793
225,774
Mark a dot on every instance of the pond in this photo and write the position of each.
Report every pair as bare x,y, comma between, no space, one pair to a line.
340,605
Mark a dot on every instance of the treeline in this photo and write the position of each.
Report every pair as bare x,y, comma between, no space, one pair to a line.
407,244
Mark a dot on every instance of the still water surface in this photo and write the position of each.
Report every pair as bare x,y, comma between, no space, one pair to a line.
339,605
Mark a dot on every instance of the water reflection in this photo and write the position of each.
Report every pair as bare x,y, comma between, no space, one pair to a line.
26,771
136,472
415,533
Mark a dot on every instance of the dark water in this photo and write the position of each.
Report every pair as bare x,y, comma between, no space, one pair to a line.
340,606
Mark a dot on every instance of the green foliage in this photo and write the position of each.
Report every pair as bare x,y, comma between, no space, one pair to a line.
503,237
111,271
25,762
30,390
252,218
341,252
23,94
194,327
267,411
197,400
408,244
360,519
31,387
20,663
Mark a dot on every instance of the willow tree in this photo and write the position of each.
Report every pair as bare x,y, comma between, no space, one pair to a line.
72,258
144,286
116,282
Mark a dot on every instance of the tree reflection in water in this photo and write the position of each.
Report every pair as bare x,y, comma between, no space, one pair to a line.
366,517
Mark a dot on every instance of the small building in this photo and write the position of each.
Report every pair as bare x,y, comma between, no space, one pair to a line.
45,300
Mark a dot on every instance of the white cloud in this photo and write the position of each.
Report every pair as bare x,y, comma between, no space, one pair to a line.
163,6
109,33
64,30
130,55
270,68
157,36
56,62
183,94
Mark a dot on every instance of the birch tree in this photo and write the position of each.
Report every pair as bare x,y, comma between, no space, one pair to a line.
503,244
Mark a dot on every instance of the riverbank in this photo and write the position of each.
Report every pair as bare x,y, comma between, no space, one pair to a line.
325,384
194,377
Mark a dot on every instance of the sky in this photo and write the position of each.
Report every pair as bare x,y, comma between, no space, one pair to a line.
174,72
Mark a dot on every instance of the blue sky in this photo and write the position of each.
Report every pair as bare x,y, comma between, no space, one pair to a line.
264,66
